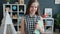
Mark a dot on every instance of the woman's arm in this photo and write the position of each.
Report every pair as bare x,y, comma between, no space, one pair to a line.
22,26
40,25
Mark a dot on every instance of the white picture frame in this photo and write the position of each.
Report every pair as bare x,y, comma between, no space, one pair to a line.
57,1
48,11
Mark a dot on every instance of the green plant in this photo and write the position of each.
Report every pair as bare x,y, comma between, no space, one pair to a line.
7,0
57,20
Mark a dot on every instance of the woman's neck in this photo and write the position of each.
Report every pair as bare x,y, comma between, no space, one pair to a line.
31,15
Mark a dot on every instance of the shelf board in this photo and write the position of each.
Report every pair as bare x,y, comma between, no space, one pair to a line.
48,32
14,11
48,25
47,18
21,12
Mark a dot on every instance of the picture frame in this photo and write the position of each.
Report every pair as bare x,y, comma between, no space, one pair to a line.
57,1
48,12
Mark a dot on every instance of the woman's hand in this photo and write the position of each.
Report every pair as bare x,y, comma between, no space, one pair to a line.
40,28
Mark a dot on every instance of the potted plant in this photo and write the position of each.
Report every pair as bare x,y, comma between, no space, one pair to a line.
7,1
57,21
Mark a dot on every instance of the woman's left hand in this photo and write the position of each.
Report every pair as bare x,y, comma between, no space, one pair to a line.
40,28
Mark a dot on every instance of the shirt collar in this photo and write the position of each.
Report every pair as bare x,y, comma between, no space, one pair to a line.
32,16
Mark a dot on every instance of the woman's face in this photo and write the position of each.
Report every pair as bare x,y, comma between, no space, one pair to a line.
33,7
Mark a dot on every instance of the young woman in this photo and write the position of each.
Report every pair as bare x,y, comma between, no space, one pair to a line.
31,17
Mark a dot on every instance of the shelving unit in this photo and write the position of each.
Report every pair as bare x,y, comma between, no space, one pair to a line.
48,25
16,11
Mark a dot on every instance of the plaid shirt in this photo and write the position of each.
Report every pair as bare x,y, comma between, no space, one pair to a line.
30,23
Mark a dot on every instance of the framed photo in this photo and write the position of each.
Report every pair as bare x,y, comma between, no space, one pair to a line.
57,1
48,12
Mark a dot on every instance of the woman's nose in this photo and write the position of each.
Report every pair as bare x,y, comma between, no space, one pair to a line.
33,7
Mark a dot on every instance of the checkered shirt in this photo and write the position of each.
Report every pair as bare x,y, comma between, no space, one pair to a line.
30,23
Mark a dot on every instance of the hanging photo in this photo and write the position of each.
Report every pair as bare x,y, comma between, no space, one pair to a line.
57,1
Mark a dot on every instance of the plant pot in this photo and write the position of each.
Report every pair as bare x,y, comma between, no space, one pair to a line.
59,29
56,30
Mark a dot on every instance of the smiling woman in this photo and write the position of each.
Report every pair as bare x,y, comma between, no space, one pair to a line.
31,17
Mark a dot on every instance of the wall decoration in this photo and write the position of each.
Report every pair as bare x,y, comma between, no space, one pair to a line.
57,1
14,7
48,12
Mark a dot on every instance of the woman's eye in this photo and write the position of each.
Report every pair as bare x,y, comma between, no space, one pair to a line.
35,7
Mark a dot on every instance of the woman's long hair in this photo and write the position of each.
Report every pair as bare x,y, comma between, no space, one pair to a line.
28,7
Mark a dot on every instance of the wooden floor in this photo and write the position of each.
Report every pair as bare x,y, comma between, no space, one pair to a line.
56,33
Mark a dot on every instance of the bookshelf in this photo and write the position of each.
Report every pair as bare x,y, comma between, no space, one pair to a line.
16,11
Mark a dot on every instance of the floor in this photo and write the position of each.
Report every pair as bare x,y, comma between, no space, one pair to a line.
56,33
